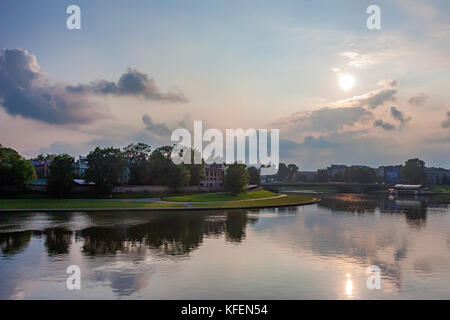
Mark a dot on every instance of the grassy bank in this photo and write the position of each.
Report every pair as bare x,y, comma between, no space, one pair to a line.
221,196
38,195
442,189
246,201
281,201
81,204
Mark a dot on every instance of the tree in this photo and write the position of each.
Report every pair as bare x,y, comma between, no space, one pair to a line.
61,174
159,165
197,171
293,172
322,175
14,169
236,178
163,171
283,172
302,178
137,156
106,168
338,176
177,176
254,175
48,157
360,174
413,171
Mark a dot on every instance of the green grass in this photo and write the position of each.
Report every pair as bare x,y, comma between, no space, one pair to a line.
81,204
236,201
221,196
306,189
38,195
443,189
288,200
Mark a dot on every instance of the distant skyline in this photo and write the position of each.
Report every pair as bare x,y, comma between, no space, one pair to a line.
338,92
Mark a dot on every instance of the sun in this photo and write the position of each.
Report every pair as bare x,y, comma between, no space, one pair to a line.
346,81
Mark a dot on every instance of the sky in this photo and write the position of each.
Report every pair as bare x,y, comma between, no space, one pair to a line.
136,70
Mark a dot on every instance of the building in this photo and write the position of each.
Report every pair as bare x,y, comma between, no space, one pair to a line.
307,176
409,189
41,167
336,168
81,166
214,175
390,174
435,176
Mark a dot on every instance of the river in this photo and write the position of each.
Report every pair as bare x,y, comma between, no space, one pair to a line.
319,251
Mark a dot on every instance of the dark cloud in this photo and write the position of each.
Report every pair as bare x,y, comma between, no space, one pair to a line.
399,115
25,90
446,123
159,129
418,100
327,119
132,83
385,125
317,142
375,98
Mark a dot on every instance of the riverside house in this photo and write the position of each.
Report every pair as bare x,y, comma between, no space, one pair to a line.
214,174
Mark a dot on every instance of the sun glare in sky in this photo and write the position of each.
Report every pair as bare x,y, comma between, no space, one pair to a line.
346,81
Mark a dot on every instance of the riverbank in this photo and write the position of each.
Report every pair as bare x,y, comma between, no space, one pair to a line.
248,200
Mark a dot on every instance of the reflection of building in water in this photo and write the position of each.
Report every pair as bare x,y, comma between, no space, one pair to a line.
415,211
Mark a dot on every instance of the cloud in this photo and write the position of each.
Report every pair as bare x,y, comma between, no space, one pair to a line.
160,129
446,123
366,60
133,83
327,119
385,125
399,115
25,90
375,98
418,100
359,61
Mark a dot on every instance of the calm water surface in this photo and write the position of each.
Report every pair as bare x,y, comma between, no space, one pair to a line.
319,251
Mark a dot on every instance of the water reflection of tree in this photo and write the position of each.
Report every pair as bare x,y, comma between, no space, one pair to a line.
57,240
416,218
349,203
173,234
236,225
14,242
415,211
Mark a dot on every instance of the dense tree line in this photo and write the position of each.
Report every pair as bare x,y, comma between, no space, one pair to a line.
135,164
14,169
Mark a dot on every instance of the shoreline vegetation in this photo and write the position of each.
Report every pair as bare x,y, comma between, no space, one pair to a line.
208,201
